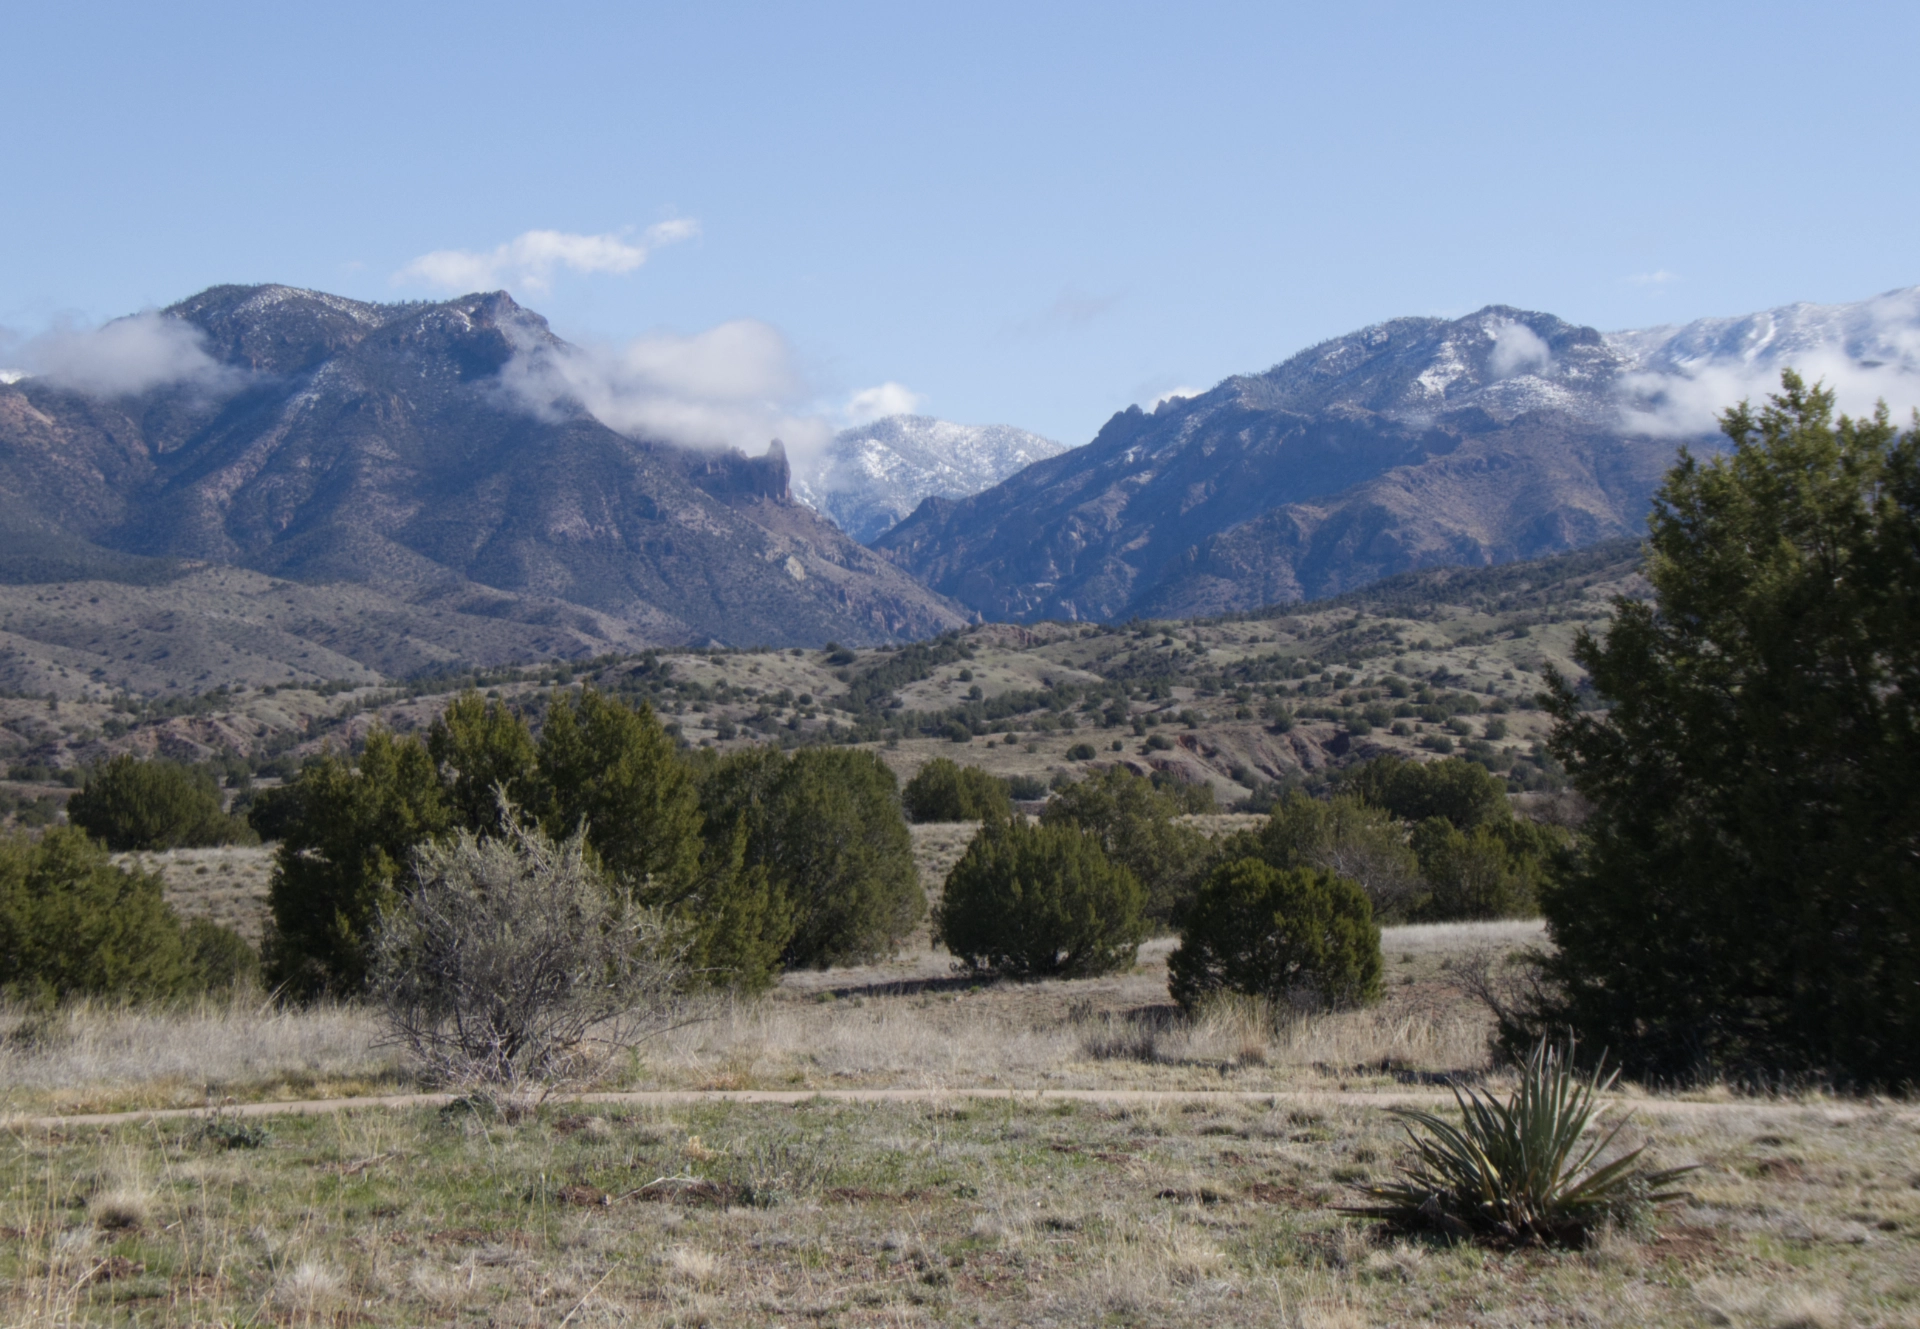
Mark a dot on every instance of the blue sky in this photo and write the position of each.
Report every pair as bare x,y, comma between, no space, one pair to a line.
1031,214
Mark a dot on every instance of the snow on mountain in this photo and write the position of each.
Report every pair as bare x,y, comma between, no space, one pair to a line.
1669,381
1675,379
1419,442
872,476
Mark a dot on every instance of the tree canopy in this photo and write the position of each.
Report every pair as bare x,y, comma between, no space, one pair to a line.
1749,897
157,804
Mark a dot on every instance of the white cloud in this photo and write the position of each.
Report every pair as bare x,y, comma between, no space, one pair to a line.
1517,349
734,385
1173,394
129,355
12,375
1688,402
1660,278
870,404
530,260
1866,352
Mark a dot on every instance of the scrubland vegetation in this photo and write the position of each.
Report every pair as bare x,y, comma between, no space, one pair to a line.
559,903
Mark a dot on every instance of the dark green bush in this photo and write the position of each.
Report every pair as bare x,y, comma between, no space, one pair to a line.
221,958
1080,752
943,790
1135,825
1303,936
1343,835
1477,874
481,747
1025,788
347,835
616,771
1459,790
72,924
1040,902
824,826
133,804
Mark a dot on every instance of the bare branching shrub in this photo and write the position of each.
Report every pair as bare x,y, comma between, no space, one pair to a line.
514,956
1513,988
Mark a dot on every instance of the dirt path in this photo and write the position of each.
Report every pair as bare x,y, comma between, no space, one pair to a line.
1834,1111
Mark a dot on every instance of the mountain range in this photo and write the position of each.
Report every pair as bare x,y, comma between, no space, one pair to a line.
322,440
1420,442
265,484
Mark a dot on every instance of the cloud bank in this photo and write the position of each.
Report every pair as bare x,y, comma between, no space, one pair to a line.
1867,353
870,404
530,261
737,385
125,357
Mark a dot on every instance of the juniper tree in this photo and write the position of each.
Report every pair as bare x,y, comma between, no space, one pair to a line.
1749,898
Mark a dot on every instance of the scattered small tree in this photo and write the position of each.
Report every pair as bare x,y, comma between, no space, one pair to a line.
824,825
482,749
1134,823
72,925
1475,875
1463,792
348,833
1301,936
616,771
130,804
1040,902
221,958
943,790
510,954
1344,835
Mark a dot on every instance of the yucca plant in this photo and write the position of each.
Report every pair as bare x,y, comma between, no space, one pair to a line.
1521,1172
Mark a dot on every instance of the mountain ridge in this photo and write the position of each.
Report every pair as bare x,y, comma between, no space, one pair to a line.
1505,434
332,440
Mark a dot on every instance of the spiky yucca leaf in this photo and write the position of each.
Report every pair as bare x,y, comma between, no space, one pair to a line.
1521,1171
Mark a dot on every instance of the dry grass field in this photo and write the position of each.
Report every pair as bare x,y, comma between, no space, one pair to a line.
227,885
1206,1206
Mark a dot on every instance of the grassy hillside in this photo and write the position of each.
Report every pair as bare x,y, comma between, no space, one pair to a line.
1444,660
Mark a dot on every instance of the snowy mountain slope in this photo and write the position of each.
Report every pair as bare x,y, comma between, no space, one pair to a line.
871,477
1507,434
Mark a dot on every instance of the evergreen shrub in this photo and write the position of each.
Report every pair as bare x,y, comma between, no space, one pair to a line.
1040,902
1302,936
943,790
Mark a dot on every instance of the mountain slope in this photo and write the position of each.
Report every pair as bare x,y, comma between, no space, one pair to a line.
870,477
379,446
1415,443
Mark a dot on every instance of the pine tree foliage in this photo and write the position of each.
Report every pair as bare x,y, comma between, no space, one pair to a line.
1135,824
615,771
72,924
1298,936
483,749
130,804
824,826
1749,899
943,790
347,833
1344,835
1040,902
